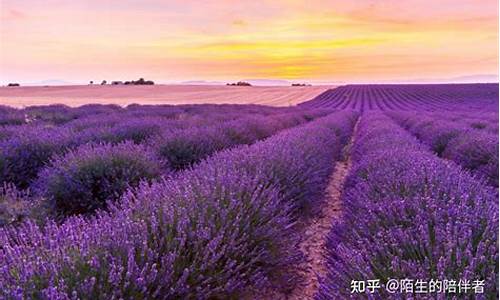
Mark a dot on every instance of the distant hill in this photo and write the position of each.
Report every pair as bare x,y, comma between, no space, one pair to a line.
254,82
476,78
202,82
50,82
268,82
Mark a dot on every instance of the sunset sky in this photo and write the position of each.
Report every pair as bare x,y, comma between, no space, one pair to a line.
313,40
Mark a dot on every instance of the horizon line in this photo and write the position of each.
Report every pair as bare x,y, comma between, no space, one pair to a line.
476,78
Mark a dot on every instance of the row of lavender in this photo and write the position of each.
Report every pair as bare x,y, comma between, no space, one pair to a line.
59,114
409,215
74,172
117,121
136,122
409,97
86,178
471,142
210,232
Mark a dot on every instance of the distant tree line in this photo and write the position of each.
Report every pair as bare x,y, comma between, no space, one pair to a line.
140,81
239,83
301,84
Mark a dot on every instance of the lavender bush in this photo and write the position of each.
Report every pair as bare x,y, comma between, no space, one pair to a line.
94,121
15,205
83,179
11,116
94,109
138,129
28,148
187,147
477,152
52,114
473,149
183,148
8,131
22,155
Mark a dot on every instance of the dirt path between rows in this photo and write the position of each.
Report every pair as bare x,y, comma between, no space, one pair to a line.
313,246
315,231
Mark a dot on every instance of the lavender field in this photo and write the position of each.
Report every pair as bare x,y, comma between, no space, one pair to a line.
342,196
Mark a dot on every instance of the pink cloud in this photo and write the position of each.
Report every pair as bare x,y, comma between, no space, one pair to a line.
13,14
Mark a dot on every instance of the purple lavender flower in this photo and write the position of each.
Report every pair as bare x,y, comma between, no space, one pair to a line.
409,214
83,179
208,232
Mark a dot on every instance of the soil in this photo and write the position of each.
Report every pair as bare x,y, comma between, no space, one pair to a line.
315,231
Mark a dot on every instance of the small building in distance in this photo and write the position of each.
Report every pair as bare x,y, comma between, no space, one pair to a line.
13,84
